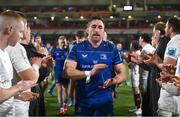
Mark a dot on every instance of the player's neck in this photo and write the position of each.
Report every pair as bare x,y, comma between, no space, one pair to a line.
95,44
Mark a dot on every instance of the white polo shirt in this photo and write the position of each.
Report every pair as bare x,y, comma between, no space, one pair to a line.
20,62
168,101
6,75
135,75
148,49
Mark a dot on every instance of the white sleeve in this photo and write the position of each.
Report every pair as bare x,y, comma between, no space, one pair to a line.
171,89
172,51
19,58
148,49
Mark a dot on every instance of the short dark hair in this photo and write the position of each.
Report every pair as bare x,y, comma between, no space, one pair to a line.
145,37
135,45
161,27
80,34
174,22
95,18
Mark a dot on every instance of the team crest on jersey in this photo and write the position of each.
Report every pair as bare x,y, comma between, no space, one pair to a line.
84,55
95,61
172,51
103,56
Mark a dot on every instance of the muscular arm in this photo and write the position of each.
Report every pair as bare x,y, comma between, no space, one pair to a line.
120,73
5,94
71,71
119,78
8,93
29,74
22,65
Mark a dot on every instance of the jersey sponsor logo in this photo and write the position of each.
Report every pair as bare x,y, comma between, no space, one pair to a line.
87,66
84,55
172,51
103,57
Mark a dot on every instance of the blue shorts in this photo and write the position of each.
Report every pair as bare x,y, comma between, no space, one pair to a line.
105,109
60,79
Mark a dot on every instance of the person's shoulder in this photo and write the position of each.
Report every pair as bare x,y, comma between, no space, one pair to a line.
18,46
81,44
3,54
177,36
108,41
9,48
174,41
56,49
15,49
109,44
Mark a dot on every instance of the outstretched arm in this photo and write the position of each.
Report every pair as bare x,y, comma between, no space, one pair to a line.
73,73
5,94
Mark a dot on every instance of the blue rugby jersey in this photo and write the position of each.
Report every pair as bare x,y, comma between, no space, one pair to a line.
59,56
86,57
121,52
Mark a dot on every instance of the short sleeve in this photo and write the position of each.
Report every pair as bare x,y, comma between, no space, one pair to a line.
117,58
172,51
73,53
19,58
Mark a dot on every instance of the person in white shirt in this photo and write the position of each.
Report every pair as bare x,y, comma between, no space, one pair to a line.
169,103
11,29
147,48
144,42
23,71
135,75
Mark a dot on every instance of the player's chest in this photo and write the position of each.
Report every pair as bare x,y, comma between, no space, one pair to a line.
95,57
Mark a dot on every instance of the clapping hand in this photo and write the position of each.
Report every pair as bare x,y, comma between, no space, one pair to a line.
152,59
25,84
176,81
107,83
47,61
169,68
28,96
167,72
96,68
